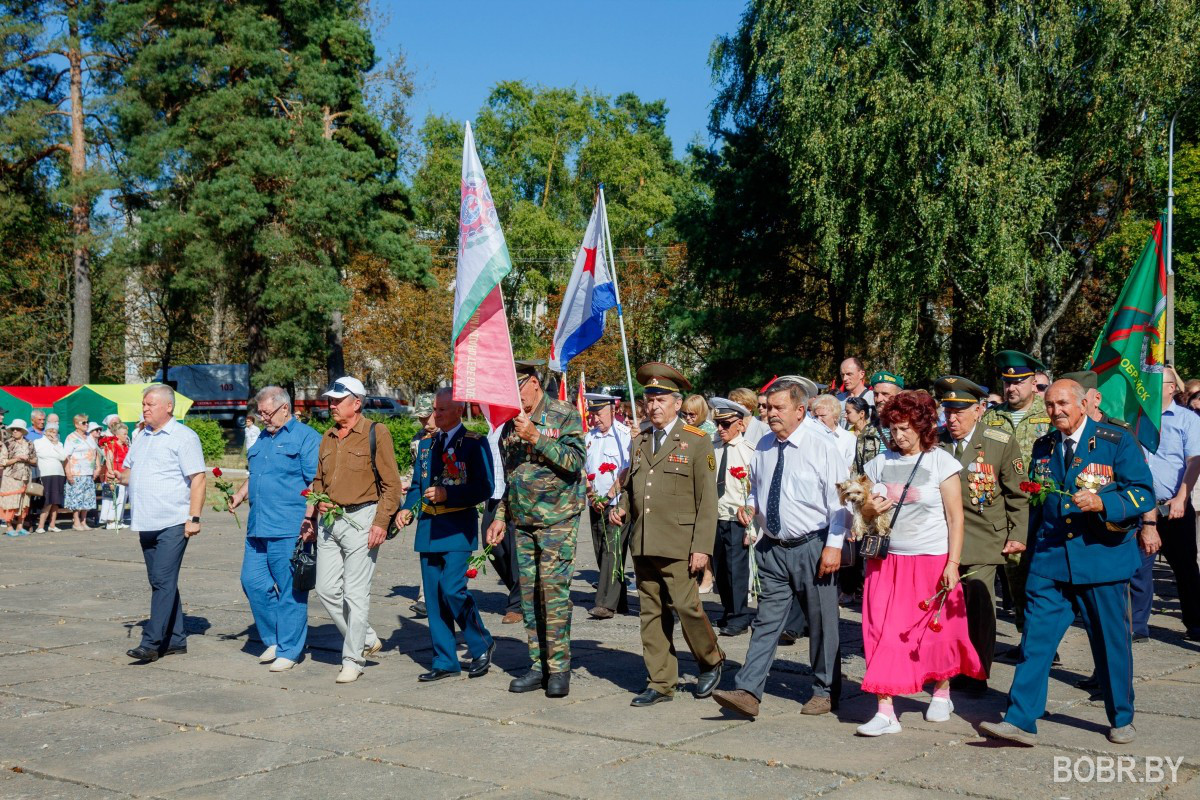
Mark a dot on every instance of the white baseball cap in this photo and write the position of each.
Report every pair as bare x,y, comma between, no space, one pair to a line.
344,386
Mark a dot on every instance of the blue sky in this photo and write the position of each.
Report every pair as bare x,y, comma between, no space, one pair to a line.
655,48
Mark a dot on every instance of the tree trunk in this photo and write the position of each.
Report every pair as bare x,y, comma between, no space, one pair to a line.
216,328
81,331
335,362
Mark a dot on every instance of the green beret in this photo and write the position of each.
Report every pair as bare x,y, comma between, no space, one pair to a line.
1015,365
883,376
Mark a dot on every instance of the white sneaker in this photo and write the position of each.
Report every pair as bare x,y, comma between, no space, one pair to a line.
939,710
372,648
879,725
349,673
268,655
40,530
282,664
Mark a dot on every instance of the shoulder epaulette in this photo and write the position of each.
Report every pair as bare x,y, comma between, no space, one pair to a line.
1000,436
554,404
694,430
1039,420
996,422
1113,435
473,435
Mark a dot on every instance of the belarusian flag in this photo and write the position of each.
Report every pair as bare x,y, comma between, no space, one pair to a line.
484,372
1130,352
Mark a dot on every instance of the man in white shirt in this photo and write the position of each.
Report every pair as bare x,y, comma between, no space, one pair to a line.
794,497
731,558
854,383
165,474
252,431
608,445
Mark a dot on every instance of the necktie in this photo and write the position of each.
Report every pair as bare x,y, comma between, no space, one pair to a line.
658,438
958,449
439,447
1068,453
722,472
774,525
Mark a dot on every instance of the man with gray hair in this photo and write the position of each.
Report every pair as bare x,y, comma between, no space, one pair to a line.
356,469
282,464
794,499
165,474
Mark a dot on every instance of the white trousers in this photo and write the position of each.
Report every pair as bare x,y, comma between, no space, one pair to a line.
113,512
345,567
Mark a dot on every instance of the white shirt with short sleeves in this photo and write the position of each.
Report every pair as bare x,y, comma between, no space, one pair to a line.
921,525
160,465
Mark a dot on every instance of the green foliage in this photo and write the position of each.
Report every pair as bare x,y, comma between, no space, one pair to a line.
927,182
1187,258
545,151
212,439
254,167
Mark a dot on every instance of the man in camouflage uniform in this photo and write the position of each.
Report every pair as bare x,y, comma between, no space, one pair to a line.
545,495
995,510
1023,415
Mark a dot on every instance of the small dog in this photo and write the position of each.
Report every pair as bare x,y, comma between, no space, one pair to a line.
854,492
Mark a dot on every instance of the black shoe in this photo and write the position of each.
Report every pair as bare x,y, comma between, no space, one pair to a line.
649,698
529,682
707,681
1010,656
558,684
788,638
419,609
973,687
1193,634
1090,682
480,666
1057,662
1141,637
143,654
175,651
437,675
735,631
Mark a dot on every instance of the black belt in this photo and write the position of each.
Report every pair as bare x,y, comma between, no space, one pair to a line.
350,509
799,540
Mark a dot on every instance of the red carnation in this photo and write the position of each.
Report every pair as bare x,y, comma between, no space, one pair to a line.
935,626
217,472
738,472
923,605
306,493
591,476
471,573
607,467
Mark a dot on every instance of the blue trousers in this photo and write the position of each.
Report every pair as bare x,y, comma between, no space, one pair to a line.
280,614
450,603
1048,613
163,552
1141,591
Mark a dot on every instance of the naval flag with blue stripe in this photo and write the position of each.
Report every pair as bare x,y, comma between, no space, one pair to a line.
590,293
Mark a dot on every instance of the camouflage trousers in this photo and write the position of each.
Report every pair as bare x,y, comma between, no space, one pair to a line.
546,563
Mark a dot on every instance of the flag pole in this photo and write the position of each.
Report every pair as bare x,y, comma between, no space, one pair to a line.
1170,332
612,265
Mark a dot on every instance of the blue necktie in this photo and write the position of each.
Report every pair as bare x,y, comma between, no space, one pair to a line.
773,523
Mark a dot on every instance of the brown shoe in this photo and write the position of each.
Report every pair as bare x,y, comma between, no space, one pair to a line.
738,701
600,612
511,617
817,705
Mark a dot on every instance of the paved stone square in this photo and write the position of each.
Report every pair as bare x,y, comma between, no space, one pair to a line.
78,721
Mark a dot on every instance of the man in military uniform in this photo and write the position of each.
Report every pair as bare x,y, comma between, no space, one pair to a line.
1083,554
885,385
544,497
734,540
423,411
995,510
452,474
608,445
1023,415
670,498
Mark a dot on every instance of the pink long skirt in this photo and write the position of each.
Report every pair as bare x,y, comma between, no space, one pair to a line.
903,653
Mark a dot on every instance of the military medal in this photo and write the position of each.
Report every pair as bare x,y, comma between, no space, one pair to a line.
981,483
1094,477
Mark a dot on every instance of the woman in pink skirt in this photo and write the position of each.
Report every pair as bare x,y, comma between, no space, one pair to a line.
914,618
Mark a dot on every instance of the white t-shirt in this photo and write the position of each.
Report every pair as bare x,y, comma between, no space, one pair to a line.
921,525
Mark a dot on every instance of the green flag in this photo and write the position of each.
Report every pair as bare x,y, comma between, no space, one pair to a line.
1131,349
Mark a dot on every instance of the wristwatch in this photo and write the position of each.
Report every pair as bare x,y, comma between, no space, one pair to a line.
194,519
1152,523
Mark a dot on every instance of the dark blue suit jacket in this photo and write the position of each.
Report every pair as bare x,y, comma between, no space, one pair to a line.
468,482
1075,547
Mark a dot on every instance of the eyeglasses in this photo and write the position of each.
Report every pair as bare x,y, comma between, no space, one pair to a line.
689,415
1041,387
267,415
726,424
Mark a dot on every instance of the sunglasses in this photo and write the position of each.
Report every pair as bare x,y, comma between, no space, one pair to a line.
726,424
1041,387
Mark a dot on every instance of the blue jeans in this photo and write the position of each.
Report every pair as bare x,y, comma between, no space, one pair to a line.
280,614
163,552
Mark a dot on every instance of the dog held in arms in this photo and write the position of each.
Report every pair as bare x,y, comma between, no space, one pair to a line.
854,492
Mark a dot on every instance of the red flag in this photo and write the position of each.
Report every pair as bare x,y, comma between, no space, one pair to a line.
767,385
562,388
581,403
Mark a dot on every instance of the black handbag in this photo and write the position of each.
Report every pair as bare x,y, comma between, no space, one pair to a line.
304,567
875,545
